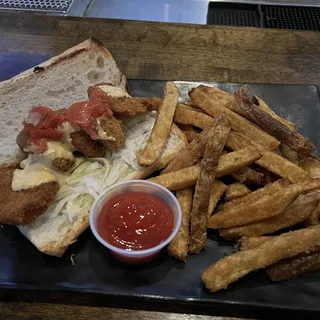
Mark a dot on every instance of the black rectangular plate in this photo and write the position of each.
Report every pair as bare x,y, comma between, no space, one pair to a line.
167,280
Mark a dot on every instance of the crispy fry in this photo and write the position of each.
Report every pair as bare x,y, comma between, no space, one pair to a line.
217,190
289,154
312,166
274,127
296,213
190,154
178,247
294,267
285,269
217,138
265,207
263,106
161,128
192,117
236,190
313,218
229,269
238,123
189,131
257,194
282,167
180,179
246,175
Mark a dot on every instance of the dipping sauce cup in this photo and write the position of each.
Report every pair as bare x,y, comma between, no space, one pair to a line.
135,256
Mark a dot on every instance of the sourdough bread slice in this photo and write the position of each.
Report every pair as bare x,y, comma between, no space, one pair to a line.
56,83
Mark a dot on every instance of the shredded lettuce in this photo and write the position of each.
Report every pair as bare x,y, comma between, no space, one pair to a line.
84,185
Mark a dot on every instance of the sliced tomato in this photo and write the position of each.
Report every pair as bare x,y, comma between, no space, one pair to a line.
52,134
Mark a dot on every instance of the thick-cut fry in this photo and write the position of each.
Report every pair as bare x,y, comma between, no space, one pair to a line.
285,269
161,128
238,123
217,190
282,167
178,247
296,213
312,166
189,131
236,190
313,218
190,154
257,194
229,269
289,154
187,177
294,267
217,138
246,175
265,207
192,117
180,179
263,106
272,126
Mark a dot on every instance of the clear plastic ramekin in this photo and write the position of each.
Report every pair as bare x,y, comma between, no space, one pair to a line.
135,256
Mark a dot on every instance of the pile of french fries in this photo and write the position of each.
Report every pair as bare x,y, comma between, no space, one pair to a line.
276,184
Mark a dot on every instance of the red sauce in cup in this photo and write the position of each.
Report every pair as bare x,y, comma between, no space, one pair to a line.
135,221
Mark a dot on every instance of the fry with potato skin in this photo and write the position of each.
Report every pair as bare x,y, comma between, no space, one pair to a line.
247,176
231,268
313,218
217,137
282,167
263,106
312,166
265,207
238,123
161,128
272,126
257,194
289,154
296,213
190,154
178,247
218,188
236,190
189,131
246,243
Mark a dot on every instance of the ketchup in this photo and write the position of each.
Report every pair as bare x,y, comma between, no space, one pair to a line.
135,221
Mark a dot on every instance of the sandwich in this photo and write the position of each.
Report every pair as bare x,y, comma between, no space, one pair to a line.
78,131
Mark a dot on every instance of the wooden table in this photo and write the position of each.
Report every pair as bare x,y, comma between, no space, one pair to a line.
146,50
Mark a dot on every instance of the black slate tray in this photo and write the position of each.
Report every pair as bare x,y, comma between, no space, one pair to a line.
166,280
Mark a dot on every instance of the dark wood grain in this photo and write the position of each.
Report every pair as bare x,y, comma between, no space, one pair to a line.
148,50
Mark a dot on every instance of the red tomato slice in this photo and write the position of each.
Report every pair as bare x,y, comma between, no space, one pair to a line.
52,134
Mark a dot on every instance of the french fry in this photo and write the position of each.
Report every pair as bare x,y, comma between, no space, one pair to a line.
236,190
297,212
217,138
289,154
187,177
313,218
238,123
192,117
180,179
231,268
217,190
282,167
257,194
265,207
178,247
289,268
263,106
190,154
161,128
189,131
246,175
312,166
292,138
